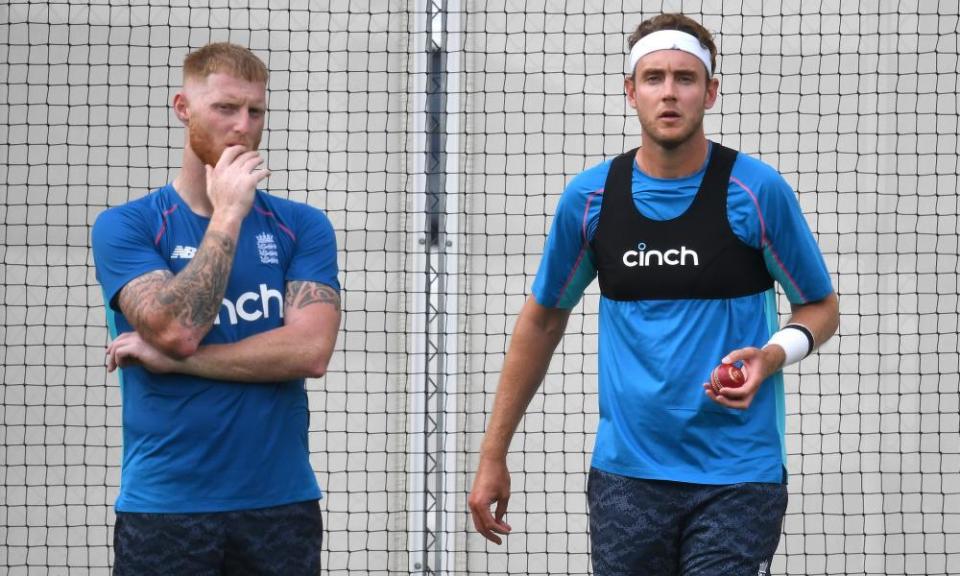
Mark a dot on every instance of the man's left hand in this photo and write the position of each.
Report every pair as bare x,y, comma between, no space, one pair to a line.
758,365
129,349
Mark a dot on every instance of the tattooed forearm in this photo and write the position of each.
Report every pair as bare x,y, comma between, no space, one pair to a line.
192,298
301,294
197,291
136,300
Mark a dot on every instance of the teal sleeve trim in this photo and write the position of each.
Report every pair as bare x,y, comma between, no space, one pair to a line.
581,277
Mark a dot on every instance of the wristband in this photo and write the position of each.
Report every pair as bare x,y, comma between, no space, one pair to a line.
796,341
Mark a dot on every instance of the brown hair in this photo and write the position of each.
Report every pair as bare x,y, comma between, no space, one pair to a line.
225,58
675,21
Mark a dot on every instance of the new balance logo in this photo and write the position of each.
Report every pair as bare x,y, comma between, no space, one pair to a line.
184,252
641,257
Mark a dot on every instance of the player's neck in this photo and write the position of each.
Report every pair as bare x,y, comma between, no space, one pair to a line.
191,184
683,160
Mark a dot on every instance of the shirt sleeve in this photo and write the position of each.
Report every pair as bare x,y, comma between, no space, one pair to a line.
123,250
790,250
315,255
567,266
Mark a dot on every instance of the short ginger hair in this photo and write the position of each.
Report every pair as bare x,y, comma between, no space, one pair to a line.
225,58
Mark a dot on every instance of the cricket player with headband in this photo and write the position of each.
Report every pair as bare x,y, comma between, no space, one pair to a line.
687,239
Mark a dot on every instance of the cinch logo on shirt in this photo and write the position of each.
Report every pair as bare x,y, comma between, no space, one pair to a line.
184,252
642,257
251,306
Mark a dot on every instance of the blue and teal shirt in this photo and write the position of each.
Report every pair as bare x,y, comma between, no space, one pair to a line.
192,444
655,354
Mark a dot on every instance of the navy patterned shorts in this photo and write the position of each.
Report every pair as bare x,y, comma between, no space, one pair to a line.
283,540
659,528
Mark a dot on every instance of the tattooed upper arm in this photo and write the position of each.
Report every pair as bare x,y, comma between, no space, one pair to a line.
137,299
302,293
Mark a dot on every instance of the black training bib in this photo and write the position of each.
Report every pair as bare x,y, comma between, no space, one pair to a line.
695,256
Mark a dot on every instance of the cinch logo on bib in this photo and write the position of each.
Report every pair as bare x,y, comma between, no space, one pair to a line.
641,257
251,306
687,257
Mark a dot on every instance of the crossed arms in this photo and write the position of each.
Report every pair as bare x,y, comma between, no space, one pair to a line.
171,313
300,348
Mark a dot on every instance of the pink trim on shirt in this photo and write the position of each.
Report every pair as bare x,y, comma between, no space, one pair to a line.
280,224
764,241
586,214
756,204
163,227
583,247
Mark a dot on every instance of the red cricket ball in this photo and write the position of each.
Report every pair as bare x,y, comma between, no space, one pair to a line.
726,376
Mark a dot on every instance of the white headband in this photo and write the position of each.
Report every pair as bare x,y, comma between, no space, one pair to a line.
669,40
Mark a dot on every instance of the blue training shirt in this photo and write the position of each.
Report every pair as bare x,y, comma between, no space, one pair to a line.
654,355
193,444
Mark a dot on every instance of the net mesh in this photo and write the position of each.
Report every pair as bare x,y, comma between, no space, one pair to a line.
855,103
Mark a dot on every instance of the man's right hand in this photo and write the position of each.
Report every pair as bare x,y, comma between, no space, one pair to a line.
232,183
491,486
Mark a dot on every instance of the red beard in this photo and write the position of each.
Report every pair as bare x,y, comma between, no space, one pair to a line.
204,146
